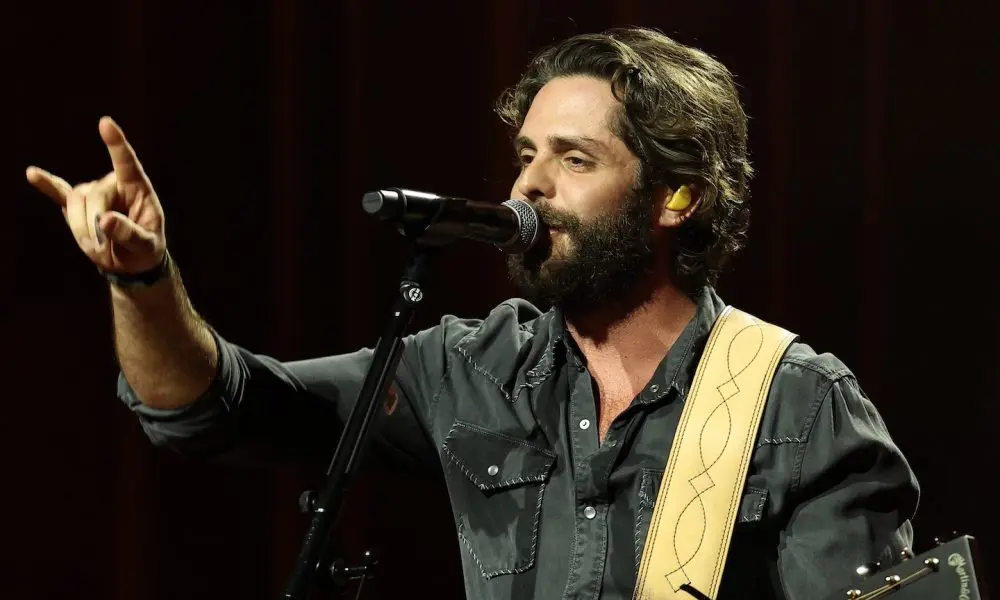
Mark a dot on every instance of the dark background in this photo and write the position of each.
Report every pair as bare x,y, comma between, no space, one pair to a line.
262,124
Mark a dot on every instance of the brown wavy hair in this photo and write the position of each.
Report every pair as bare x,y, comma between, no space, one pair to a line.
681,115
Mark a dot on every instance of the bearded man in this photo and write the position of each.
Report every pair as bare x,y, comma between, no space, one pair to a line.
551,418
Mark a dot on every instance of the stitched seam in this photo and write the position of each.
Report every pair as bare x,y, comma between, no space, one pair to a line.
467,338
444,444
540,478
458,462
482,370
779,440
482,567
535,524
759,509
813,415
548,354
531,326
437,395
530,562
810,423
472,553
541,377
734,506
815,368
637,526
460,346
644,504
500,436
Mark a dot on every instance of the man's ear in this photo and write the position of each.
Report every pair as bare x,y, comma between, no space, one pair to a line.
678,205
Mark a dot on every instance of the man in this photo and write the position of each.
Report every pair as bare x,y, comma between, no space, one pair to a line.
552,428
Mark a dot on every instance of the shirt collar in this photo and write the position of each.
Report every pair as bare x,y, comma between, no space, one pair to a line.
676,370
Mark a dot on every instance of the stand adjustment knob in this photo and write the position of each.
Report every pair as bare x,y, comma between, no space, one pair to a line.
307,500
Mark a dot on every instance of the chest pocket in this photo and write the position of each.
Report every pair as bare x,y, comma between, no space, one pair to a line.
751,507
496,483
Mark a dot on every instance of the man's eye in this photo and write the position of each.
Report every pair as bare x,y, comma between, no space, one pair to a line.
523,160
578,162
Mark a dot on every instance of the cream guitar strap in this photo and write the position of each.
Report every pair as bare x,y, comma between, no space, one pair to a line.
699,497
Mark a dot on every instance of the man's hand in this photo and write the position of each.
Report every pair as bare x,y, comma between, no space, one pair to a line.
117,221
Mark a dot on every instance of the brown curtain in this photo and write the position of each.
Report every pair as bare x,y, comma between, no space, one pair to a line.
262,123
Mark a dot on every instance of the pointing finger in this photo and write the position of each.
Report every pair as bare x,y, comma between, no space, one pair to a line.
123,158
52,186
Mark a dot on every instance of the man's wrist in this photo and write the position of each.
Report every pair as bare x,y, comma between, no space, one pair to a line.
143,279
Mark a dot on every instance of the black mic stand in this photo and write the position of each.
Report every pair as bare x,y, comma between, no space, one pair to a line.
313,561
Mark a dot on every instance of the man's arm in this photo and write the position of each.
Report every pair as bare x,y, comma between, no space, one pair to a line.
259,410
117,221
166,352
853,495
192,389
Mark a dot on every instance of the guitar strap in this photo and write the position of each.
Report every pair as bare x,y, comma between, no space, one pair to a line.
699,497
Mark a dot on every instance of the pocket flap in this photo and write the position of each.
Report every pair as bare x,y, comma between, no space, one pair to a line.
493,460
752,505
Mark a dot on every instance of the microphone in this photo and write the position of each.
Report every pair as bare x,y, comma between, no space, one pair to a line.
512,226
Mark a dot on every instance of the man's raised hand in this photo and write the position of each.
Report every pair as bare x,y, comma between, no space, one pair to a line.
117,220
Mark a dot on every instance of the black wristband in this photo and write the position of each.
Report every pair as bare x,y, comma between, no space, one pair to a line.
143,279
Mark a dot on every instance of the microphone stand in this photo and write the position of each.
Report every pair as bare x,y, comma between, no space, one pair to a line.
313,560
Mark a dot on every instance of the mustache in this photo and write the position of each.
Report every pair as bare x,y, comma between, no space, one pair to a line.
557,219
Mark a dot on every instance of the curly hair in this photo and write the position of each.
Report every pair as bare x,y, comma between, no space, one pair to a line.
680,115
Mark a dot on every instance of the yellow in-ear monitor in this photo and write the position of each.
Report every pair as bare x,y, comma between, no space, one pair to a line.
681,199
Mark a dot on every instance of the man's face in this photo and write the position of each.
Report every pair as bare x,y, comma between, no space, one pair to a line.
582,180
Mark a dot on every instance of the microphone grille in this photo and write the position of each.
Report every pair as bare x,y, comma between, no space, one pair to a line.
528,226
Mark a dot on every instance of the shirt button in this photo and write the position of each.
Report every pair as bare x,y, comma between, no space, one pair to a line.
493,470
585,424
589,512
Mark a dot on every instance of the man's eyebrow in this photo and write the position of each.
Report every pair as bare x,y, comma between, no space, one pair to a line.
522,142
562,143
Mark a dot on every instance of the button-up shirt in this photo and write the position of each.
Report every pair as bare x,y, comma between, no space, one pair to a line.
504,407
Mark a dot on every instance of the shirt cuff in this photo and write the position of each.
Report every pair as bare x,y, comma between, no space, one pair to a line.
172,426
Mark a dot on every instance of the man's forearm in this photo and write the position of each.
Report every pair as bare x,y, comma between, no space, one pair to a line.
165,350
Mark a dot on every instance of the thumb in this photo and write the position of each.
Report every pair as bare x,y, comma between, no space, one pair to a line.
124,231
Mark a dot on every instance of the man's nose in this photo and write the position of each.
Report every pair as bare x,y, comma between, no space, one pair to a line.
535,181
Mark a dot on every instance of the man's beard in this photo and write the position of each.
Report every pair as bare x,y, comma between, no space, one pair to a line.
607,258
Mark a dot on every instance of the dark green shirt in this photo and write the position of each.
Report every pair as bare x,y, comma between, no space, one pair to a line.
505,408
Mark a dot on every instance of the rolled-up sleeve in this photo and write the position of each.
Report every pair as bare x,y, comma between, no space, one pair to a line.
259,410
855,495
